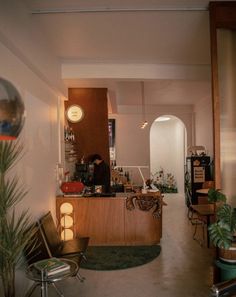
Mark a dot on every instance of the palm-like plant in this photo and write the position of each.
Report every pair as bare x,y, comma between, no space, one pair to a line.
222,231
15,231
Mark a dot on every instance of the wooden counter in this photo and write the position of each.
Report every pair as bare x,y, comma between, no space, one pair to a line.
107,221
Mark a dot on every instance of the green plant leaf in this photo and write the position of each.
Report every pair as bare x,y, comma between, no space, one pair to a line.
227,215
14,239
10,151
214,195
220,234
15,231
10,194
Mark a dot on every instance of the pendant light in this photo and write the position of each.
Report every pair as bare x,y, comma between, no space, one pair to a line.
12,109
144,121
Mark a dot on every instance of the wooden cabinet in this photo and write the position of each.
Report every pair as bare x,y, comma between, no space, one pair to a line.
107,221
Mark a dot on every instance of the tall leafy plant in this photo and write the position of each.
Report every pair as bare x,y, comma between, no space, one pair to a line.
15,229
223,229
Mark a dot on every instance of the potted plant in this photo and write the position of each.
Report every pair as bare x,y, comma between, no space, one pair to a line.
215,195
15,229
223,229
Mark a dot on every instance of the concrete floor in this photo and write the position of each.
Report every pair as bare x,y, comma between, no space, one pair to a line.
183,269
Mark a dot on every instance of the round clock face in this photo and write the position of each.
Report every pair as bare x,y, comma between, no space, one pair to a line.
74,113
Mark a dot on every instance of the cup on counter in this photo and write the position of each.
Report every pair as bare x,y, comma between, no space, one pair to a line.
98,189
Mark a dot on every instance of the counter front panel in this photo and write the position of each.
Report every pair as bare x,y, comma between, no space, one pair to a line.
107,221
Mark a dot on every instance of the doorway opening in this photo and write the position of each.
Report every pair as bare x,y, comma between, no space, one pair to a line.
168,148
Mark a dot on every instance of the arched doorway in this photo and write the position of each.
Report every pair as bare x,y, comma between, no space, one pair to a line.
168,149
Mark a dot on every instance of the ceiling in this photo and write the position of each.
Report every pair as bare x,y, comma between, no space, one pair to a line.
130,32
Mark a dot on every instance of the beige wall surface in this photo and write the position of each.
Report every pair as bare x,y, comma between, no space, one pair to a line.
28,42
167,146
36,170
204,125
39,134
132,143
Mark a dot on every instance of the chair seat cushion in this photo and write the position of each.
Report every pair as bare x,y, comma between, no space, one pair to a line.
74,246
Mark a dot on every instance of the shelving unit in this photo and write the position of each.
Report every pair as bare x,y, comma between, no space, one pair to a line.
197,171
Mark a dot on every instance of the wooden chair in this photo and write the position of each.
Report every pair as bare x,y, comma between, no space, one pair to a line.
201,220
208,184
74,249
203,199
194,218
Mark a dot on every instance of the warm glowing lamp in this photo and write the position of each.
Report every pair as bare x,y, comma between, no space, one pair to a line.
67,234
66,208
67,221
12,111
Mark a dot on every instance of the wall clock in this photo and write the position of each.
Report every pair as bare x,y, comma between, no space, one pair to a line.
74,113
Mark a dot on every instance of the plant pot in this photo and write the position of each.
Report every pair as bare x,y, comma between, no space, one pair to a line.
228,255
227,270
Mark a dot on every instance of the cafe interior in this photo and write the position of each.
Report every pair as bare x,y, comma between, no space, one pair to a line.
149,87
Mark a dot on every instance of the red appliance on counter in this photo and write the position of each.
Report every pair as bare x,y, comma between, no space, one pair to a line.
72,187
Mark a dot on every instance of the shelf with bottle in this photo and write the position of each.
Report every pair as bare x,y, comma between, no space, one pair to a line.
120,180
69,135
71,151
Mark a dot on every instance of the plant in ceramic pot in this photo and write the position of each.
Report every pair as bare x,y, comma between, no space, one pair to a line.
15,229
222,231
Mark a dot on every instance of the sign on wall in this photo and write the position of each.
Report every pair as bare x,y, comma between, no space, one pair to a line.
198,174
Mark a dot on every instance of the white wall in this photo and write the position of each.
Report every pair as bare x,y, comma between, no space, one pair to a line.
27,62
204,125
167,149
39,134
28,42
133,143
36,170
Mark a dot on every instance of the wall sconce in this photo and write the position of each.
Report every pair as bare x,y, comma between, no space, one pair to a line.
12,111
67,221
145,122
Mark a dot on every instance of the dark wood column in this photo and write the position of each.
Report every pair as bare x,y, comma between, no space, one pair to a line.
91,132
222,16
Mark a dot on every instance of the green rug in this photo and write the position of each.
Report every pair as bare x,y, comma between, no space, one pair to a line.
119,257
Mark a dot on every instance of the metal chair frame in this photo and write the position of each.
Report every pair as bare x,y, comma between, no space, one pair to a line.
36,250
72,249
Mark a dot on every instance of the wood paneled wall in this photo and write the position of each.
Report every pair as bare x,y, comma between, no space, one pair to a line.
222,15
91,132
